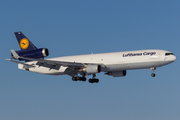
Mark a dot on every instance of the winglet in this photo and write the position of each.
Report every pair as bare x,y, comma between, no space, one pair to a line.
15,55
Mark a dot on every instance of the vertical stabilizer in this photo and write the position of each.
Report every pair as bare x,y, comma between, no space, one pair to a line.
24,42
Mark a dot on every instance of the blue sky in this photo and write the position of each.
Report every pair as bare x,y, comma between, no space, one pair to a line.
83,27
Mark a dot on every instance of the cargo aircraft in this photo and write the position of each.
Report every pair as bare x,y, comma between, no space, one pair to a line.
78,67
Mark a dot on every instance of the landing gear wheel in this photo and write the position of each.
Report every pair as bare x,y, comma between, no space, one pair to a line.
90,81
93,80
74,78
79,78
83,79
97,80
153,75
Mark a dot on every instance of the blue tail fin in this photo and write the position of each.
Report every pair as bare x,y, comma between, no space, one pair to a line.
24,42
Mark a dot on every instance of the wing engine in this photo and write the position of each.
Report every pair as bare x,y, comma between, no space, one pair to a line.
117,74
91,69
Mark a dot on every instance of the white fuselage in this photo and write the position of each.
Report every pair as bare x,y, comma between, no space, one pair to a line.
116,61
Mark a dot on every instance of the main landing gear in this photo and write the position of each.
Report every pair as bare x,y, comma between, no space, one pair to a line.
153,74
93,80
79,78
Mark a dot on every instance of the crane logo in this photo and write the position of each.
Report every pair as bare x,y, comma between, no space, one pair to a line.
24,43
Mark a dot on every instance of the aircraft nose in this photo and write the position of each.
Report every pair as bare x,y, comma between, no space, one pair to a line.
174,58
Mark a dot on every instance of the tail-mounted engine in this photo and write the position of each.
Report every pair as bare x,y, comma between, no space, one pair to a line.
39,53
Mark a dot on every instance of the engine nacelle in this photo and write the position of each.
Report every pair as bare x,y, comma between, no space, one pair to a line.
39,53
91,69
117,74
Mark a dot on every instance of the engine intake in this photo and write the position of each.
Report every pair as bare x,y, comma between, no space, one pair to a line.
91,69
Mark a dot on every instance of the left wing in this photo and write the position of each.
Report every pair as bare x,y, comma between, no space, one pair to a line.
20,63
54,63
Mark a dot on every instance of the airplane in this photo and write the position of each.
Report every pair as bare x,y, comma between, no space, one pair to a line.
78,67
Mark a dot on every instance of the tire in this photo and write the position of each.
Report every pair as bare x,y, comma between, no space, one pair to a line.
153,75
74,78
91,81
83,79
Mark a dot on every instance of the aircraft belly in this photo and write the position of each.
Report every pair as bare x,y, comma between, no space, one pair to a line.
135,65
115,67
44,70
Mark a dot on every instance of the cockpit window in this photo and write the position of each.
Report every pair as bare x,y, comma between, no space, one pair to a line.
169,54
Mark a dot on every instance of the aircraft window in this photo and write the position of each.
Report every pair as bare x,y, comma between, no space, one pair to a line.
169,54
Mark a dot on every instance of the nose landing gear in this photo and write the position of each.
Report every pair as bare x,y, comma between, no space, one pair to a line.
153,74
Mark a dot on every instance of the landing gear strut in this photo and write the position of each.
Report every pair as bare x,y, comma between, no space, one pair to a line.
153,74
94,80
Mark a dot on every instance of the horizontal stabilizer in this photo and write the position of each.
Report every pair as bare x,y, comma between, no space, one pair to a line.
15,55
20,63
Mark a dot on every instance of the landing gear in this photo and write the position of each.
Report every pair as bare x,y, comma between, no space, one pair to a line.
78,78
153,74
94,80
83,78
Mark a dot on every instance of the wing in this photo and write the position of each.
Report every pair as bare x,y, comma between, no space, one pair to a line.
27,65
53,62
